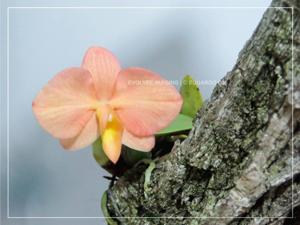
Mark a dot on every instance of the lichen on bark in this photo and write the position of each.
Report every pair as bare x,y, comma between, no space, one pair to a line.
235,167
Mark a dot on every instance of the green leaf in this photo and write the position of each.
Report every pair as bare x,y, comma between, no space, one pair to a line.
131,156
181,123
108,218
99,154
192,98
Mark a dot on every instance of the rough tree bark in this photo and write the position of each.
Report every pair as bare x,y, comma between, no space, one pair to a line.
237,160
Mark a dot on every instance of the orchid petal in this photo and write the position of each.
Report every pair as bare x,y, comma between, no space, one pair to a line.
87,136
63,106
104,67
144,144
144,101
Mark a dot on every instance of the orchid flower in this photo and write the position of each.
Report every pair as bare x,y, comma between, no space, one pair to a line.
99,99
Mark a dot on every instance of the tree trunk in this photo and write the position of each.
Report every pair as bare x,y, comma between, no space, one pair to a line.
239,161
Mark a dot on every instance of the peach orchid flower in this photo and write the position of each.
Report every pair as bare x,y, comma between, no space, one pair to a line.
123,106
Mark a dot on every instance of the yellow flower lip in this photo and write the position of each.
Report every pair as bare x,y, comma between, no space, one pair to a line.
112,137
111,130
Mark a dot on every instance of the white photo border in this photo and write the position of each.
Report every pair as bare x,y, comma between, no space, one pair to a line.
133,7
